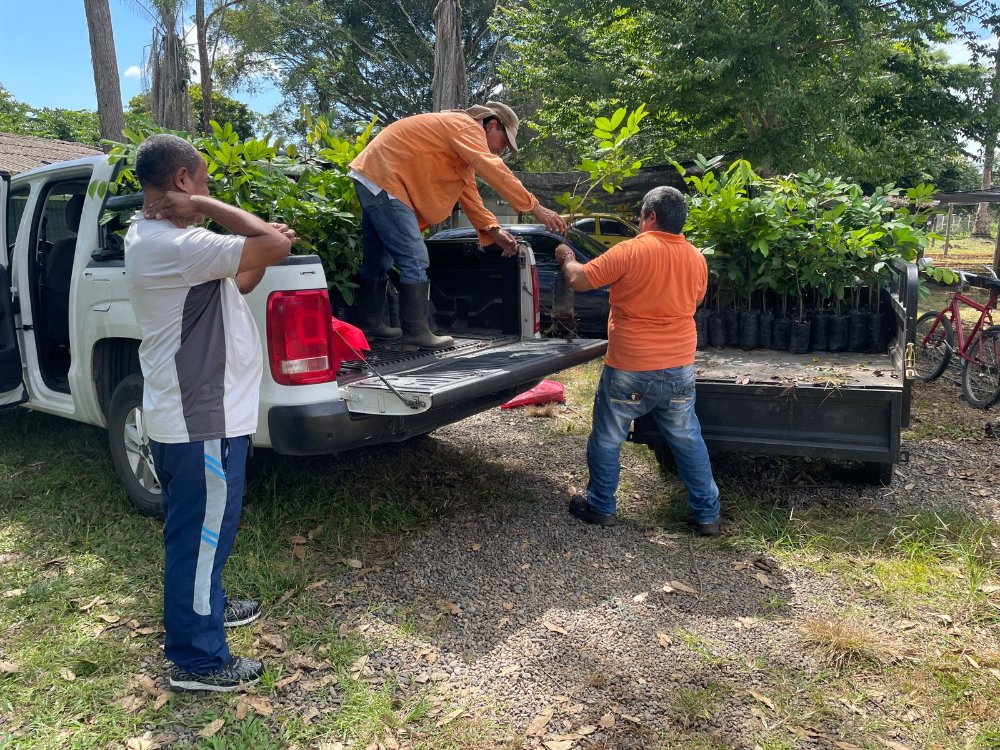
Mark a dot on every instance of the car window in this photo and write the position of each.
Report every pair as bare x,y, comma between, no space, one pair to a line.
584,225
17,203
585,243
615,228
544,249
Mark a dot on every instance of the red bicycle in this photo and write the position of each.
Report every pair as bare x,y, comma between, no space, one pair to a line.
938,332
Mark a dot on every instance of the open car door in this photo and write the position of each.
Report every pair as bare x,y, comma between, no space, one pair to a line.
11,383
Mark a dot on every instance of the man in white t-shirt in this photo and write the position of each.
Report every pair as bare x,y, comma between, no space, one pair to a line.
201,362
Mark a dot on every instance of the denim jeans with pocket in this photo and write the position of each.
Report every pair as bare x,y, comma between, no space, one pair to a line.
668,395
390,234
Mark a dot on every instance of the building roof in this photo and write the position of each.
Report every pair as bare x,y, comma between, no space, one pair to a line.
990,195
19,153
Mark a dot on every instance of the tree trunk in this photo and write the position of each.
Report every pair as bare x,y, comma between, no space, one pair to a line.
205,65
982,228
449,89
102,55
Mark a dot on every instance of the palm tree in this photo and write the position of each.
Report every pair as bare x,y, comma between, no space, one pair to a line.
106,82
167,69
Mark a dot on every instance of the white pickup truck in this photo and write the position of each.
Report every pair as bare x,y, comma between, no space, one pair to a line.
69,340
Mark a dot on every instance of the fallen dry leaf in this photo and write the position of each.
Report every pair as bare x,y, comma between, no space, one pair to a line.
476,547
353,563
509,606
359,665
161,700
448,718
740,565
313,533
509,670
143,742
763,699
607,721
449,608
537,725
132,704
242,709
764,580
274,640
212,728
92,603
299,552
148,684
664,640
110,619
558,744
639,598
67,674
846,745
678,587
554,628
746,622
259,704
286,681
9,667
12,593
893,745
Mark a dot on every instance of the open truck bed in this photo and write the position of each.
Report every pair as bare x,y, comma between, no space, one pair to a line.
844,405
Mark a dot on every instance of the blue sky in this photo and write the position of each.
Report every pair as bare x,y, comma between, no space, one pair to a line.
45,54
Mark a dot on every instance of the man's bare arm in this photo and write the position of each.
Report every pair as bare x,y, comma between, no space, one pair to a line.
265,244
572,269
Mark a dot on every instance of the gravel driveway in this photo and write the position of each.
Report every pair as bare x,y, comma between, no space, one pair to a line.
597,638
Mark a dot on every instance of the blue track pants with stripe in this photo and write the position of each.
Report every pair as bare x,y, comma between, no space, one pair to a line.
202,486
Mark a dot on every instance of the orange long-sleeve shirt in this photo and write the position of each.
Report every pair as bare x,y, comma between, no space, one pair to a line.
430,162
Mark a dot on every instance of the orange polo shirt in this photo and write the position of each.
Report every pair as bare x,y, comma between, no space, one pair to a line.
430,163
657,280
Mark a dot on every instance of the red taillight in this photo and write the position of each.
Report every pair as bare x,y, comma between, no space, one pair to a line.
536,295
299,345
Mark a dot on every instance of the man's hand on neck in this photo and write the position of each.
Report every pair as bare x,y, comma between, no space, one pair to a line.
179,208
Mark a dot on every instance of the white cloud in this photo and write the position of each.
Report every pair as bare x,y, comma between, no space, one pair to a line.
132,71
959,53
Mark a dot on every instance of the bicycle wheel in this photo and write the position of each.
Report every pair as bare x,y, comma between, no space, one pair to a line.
933,346
981,376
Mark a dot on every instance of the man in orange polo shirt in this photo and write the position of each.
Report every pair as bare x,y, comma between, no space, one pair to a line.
657,280
411,176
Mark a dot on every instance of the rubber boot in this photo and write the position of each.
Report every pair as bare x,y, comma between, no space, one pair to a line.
371,310
414,302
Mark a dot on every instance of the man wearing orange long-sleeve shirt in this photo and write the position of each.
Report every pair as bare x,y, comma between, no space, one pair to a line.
411,176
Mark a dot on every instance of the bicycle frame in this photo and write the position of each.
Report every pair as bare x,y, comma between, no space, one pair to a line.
962,343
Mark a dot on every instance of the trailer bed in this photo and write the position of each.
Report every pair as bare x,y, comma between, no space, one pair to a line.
814,370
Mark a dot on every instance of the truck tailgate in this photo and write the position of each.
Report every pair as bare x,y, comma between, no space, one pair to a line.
473,369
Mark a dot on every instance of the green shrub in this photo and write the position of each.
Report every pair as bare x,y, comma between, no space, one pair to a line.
807,238
308,189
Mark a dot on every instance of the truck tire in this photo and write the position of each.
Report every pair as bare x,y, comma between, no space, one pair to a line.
130,448
664,457
877,473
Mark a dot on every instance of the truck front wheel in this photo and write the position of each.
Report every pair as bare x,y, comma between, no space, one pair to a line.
130,448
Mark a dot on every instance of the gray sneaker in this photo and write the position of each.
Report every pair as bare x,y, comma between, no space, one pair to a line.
239,674
240,612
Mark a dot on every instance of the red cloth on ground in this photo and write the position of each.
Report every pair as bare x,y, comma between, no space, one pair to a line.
546,392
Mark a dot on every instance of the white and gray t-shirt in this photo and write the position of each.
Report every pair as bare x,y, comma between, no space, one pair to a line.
200,354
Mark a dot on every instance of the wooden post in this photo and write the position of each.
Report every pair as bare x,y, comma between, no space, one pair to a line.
947,230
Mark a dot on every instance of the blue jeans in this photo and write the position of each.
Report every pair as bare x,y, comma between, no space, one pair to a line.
669,394
202,486
390,233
